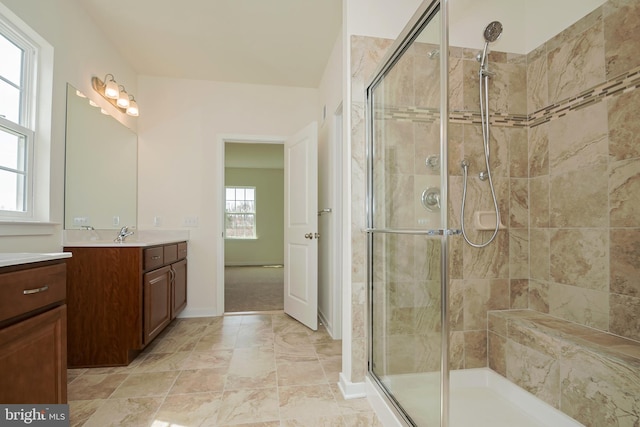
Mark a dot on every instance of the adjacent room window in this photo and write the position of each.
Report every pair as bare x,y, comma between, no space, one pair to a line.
240,213
17,122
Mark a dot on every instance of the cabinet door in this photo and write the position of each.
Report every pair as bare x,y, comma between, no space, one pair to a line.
157,302
179,296
33,359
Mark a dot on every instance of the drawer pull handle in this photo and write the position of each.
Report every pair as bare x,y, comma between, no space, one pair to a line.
36,290
155,257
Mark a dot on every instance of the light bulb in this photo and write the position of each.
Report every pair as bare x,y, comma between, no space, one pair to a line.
111,89
132,110
123,99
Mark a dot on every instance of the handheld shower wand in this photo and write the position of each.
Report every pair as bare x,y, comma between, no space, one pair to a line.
491,33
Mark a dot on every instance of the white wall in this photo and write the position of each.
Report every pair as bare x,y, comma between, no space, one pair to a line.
180,169
378,18
526,24
76,59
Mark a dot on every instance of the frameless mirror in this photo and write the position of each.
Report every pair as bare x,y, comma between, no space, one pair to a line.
100,168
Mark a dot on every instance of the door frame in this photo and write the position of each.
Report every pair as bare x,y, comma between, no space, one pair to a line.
219,227
335,273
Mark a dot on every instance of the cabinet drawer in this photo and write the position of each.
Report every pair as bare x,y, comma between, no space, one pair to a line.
170,254
182,250
153,257
27,290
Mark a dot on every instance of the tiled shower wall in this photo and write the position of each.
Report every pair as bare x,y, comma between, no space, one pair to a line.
481,277
566,165
584,171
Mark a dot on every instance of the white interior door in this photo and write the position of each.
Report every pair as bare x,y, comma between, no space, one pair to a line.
301,226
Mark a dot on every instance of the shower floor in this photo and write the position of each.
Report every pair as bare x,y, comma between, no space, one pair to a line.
479,398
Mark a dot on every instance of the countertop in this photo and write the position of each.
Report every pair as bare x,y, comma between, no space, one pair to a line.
15,258
105,238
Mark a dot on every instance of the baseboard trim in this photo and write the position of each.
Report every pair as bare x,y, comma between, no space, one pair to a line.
253,264
351,390
198,312
326,323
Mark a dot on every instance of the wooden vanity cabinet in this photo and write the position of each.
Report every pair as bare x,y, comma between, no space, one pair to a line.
157,302
33,347
179,289
165,288
120,299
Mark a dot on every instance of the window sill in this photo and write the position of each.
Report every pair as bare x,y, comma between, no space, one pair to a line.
27,228
241,239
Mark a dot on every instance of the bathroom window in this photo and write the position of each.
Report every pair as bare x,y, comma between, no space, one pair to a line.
240,213
17,122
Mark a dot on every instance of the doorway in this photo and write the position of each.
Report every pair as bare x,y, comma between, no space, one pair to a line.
253,226
300,222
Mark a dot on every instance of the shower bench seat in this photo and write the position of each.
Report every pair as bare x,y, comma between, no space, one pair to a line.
592,376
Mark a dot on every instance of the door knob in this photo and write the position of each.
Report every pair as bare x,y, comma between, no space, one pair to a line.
308,236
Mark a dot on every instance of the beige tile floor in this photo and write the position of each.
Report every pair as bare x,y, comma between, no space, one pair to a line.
262,370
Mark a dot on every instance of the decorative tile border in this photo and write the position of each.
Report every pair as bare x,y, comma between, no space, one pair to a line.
623,83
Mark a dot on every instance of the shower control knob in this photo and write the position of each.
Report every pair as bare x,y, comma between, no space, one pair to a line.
433,162
431,199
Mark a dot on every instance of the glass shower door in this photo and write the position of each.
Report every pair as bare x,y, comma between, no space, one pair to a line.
407,226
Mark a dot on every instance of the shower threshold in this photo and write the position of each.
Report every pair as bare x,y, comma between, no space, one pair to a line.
479,398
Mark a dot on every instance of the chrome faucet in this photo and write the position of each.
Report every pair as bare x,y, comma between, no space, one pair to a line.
124,232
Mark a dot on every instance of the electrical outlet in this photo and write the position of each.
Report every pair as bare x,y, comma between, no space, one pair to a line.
157,221
116,220
80,220
190,221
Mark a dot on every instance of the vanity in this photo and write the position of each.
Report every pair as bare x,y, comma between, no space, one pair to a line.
120,296
123,289
33,346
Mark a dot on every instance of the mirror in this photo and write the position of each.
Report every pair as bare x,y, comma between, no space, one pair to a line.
100,168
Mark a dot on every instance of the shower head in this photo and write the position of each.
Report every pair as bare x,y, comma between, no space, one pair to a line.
493,31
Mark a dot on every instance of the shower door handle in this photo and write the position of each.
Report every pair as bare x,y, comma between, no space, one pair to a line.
439,232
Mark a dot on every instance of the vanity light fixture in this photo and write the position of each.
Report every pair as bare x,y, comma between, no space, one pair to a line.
116,94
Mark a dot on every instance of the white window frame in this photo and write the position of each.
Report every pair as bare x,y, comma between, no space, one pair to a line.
254,213
37,110
26,126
